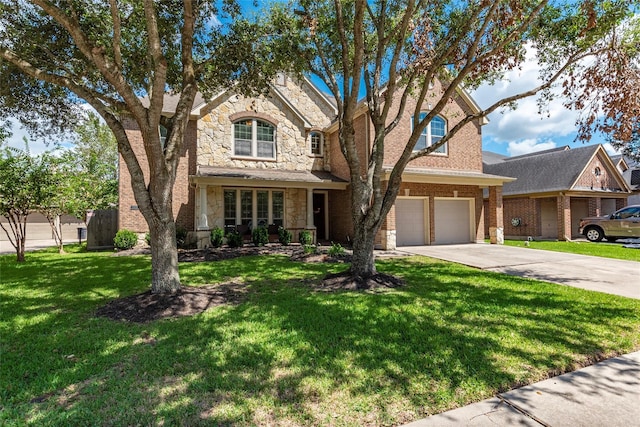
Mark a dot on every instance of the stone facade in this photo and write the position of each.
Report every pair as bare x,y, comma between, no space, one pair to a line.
215,128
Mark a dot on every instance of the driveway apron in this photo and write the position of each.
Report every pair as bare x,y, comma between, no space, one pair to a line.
606,275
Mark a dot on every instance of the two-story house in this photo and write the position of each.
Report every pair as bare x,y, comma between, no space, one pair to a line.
275,160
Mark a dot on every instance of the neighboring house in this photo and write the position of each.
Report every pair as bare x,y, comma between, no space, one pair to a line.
275,161
38,227
630,170
555,188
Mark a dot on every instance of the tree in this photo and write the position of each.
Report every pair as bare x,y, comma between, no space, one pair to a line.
91,167
390,50
23,183
109,53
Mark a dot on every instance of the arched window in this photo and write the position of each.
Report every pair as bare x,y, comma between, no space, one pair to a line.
254,138
432,134
315,139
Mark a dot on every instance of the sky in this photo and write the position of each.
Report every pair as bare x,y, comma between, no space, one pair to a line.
511,132
524,130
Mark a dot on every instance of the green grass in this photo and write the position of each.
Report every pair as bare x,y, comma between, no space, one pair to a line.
288,355
601,249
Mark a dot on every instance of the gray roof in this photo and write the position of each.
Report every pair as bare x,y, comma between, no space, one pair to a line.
319,178
170,102
545,171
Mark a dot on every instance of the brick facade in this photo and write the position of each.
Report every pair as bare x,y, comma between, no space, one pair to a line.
209,143
130,217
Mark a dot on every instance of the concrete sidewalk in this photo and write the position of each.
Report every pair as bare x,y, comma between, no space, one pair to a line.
617,277
604,394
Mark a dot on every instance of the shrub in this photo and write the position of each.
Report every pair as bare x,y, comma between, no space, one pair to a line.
125,239
305,238
260,236
310,249
336,250
284,236
147,238
217,237
234,239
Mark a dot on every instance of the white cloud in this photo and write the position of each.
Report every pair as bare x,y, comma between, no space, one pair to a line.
525,122
528,146
611,150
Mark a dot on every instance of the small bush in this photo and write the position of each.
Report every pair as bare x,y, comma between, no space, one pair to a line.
125,239
310,249
336,250
217,237
305,238
147,238
284,236
234,239
260,236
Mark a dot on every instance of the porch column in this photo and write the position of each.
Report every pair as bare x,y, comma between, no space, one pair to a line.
310,226
564,217
496,216
203,223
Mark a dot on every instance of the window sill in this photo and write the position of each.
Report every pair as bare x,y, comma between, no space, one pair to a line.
254,159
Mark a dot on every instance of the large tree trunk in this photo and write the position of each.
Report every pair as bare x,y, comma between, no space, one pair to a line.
363,263
164,257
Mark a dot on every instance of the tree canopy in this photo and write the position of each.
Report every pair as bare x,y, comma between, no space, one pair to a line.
389,51
122,57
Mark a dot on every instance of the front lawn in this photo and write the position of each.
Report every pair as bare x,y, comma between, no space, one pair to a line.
288,355
601,249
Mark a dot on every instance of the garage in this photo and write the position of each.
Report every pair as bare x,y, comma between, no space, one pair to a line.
452,218
410,222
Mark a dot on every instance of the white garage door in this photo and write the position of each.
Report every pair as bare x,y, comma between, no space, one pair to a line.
410,222
452,221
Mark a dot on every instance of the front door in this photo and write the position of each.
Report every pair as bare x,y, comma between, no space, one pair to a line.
320,215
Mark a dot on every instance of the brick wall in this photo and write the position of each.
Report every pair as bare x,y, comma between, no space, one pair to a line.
340,223
606,180
521,207
464,149
129,216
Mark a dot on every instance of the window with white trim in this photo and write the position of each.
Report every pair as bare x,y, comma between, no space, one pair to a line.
316,139
435,130
254,138
253,206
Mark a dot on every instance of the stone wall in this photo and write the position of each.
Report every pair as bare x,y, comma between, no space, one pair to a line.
215,128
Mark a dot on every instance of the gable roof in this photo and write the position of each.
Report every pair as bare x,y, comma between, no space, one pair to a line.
547,171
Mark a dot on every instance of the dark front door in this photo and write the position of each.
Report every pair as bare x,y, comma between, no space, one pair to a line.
319,215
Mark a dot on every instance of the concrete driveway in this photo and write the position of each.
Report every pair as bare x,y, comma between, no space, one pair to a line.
581,271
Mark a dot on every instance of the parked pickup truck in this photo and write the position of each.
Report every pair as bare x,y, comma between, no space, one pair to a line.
622,224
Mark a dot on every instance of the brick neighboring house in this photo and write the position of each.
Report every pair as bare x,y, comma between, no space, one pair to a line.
275,160
555,188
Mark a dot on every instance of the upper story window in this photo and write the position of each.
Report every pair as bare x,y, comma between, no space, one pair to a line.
254,138
316,139
432,134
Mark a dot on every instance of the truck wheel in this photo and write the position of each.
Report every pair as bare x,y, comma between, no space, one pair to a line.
594,234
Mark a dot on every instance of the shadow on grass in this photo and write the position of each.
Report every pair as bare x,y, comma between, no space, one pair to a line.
291,355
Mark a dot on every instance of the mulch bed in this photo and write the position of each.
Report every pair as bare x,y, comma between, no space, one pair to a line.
188,301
